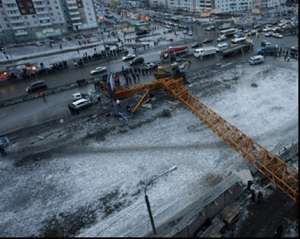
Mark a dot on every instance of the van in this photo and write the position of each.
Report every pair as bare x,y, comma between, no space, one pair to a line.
36,87
254,60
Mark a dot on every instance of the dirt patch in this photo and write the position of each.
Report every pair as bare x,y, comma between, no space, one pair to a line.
68,224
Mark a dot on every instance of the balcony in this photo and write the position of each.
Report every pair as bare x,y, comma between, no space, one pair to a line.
42,18
21,33
75,18
18,27
72,7
13,21
71,2
74,13
45,24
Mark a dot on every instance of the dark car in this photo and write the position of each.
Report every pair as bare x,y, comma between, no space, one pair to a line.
36,86
197,45
137,61
207,41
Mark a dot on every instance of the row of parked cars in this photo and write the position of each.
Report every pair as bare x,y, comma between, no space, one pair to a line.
133,61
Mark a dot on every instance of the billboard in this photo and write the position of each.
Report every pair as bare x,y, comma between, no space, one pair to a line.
26,7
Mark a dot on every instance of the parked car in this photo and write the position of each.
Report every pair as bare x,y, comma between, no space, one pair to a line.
277,35
79,105
221,38
99,70
210,28
205,41
268,34
254,60
196,45
77,96
137,61
150,65
36,87
265,43
128,57
222,46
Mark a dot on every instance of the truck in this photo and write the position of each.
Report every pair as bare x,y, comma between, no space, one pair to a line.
238,49
174,51
205,51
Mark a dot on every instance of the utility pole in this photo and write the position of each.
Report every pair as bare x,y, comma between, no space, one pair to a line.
147,199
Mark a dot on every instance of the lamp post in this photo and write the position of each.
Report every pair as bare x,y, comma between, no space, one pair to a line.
147,198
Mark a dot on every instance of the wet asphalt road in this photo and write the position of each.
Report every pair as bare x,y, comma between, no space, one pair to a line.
36,111
69,76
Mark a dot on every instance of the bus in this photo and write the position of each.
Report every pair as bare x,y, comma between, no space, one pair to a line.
228,32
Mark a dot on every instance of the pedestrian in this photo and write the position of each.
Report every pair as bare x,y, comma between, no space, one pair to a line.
129,80
249,184
259,197
253,195
2,151
134,78
279,231
126,80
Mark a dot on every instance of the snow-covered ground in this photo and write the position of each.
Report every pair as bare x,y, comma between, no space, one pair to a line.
87,180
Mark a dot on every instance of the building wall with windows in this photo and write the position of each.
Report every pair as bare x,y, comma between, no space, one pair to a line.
80,14
185,5
218,5
30,19
22,20
232,6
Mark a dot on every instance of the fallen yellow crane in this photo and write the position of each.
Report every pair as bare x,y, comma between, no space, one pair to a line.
264,161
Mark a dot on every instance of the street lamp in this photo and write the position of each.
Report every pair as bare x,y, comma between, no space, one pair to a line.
147,199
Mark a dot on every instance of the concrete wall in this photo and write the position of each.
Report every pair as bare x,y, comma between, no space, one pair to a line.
210,211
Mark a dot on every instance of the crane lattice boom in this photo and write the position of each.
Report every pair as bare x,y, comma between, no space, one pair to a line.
264,161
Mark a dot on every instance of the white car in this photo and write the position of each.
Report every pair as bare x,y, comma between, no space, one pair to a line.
277,35
254,60
128,57
222,46
221,38
268,34
76,96
99,70
79,105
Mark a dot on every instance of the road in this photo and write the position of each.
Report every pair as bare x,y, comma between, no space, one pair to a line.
36,111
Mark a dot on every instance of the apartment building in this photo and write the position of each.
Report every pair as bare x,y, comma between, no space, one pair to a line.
80,14
22,20
230,6
185,5
233,6
27,19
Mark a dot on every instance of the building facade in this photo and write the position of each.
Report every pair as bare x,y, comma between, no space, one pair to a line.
22,20
80,14
185,5
228,6
233,6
